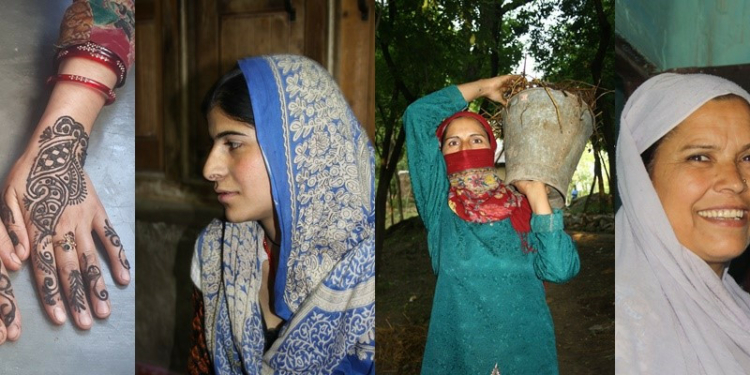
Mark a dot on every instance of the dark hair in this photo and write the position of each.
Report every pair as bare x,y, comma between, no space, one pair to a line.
648,155
230,93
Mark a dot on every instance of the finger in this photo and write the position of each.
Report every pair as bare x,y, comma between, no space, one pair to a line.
12,217
45,273
9,314
7,252
92,274
71,278
117,258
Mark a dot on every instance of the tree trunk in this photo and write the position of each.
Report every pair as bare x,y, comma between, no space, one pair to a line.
609,132
598,174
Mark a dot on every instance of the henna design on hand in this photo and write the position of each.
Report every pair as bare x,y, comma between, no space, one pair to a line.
114,239
6,215
68,242
7,306
45,261
56,180
77,296
91,277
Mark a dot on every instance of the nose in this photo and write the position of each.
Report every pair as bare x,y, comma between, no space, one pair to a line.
214,169
463,145
731,179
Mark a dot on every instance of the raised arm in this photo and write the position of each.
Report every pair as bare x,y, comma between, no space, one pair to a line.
421,119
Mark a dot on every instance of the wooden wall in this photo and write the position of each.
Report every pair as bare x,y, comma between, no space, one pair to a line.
183,47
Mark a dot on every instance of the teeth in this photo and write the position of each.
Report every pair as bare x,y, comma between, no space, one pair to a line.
723,214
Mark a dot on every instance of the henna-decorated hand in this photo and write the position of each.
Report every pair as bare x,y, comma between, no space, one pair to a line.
49,208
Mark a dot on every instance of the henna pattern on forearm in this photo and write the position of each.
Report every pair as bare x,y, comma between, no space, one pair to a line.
56,180
114,239
7,306
6,215
91,276
77,294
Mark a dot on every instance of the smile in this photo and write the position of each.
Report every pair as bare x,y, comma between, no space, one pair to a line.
726,214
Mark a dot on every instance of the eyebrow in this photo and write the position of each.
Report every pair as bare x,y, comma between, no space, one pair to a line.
710,147
470,135
228,133
698,147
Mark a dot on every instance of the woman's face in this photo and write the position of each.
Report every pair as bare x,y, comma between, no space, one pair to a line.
698,173
464,133
236,166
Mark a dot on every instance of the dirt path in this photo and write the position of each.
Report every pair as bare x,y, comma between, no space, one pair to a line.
583,310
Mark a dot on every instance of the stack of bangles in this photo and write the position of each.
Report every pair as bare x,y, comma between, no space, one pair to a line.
97,53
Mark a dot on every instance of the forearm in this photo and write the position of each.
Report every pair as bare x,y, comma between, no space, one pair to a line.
73,99
539,203
536,193
475,90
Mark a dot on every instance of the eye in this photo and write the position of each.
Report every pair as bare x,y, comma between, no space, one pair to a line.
452,143
478,140
233,145
698,157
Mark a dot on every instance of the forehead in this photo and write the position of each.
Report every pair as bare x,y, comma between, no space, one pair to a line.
464,125
218,122
717,119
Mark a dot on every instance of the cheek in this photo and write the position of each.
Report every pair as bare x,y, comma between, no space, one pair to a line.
251,170
679,190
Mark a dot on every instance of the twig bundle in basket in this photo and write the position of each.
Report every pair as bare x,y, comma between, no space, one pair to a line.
585,92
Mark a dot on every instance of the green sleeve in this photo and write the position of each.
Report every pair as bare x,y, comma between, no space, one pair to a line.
556,257
426,164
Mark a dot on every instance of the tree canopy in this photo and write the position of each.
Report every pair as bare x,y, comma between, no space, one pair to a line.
425,45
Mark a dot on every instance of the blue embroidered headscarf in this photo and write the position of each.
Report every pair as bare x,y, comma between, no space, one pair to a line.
320,165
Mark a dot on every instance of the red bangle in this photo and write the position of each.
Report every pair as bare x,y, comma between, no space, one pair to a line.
97,53
109,94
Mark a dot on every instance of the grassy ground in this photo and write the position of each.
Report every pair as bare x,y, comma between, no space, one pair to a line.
583,310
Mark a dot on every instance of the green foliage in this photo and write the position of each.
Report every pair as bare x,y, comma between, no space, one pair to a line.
432,44
425,45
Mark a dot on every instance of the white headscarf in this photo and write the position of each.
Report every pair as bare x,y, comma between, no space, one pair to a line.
673,314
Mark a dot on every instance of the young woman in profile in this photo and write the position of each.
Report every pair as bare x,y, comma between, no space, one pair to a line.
286,284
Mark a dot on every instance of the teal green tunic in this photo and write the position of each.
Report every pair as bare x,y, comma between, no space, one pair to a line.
489,306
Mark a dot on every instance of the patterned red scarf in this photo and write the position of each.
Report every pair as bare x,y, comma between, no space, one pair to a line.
477,194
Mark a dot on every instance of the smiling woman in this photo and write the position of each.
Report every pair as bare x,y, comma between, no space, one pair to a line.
683,158
700,173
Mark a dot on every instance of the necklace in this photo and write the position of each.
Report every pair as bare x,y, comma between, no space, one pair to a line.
266,238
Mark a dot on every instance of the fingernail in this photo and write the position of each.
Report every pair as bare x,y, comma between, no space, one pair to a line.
85,319
59,315
15,259
13,332
102,308
125,275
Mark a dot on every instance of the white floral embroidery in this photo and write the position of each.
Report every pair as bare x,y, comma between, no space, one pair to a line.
329,240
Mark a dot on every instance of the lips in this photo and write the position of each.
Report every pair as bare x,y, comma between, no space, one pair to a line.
225,196
731,217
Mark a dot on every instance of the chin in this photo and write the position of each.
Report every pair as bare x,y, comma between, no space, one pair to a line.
725,251
233,216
